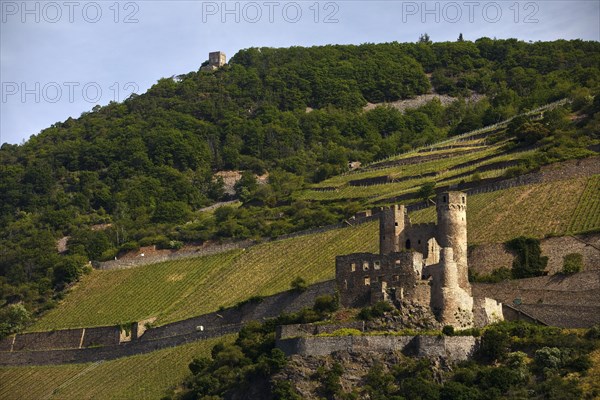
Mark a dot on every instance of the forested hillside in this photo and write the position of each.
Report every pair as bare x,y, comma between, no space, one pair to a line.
138,172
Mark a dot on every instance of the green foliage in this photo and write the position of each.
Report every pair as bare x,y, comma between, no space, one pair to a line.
427,191
448,330
283,390
376,311
252,359
326,304
13,319
497,275
299,284
145,166
171,211
572,263
529,261
329,378
494,344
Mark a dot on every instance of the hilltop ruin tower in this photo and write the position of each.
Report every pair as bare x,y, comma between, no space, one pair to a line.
216,60
425,264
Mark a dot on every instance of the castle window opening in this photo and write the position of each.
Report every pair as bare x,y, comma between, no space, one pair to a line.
395,223
463,199
444,199
377,265
419,241
367,281
365,266
353,267
407,244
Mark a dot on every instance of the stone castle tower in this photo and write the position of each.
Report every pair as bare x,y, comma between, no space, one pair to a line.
216,60
424,263
451,210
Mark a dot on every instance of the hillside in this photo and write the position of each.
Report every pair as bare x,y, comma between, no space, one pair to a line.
139,173
145,172
184,288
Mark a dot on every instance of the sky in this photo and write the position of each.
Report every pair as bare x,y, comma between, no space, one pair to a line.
61,58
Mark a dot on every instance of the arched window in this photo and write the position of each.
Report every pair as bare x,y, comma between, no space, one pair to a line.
407,245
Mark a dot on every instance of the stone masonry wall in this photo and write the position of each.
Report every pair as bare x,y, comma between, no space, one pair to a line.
357,273
457,348
483,259
57,347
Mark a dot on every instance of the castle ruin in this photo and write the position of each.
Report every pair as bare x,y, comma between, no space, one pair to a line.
423,264
216,60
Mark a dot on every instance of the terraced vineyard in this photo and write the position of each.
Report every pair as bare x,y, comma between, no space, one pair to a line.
587,214
146,376
533,210
487,162
184,288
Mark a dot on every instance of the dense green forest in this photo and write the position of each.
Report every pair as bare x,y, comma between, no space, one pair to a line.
146,165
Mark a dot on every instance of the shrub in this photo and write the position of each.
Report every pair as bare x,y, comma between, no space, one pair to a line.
378,310
325,303
572,263
283,390
448,330
346,332
494,344
129,246
593,332
299,284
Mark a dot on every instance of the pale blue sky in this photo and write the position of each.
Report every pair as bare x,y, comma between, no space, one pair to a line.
55,56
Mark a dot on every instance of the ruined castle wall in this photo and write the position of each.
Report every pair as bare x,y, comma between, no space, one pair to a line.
486,311
419,236
355,274
579,316
392,223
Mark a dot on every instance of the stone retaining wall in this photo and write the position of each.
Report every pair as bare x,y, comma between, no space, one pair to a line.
455,348
483,259
102,343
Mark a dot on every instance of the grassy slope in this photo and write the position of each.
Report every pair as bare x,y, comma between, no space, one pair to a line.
180,289
184,288
146,376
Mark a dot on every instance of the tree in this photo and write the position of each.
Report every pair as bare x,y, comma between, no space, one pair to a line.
246,187
424,38
427,191
171,211
12,319
460,38
529,261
